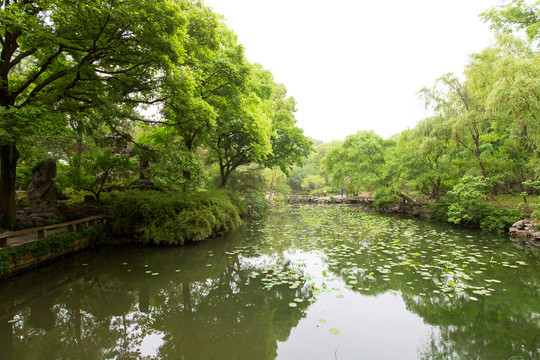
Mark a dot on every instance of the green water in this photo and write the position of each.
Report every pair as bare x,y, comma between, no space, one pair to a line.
304,283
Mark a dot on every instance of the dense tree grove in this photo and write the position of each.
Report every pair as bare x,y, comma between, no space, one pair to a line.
481,141
160,95
123,90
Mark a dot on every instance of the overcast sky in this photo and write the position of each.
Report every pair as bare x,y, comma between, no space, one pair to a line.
357,65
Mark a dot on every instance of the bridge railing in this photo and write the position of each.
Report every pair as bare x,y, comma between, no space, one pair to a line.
41,232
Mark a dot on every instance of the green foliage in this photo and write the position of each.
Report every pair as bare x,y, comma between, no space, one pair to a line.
385,199
289,144
97,170
282,189
251,186
172,218
467,204
516,15
12,255
313,182
173,167
257,204
53,71
246,180
535,207
496,219
466,199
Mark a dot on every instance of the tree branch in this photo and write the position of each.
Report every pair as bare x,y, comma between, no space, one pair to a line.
36,76
20,57
41,86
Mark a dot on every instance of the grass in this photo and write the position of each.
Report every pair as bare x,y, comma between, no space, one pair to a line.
510,201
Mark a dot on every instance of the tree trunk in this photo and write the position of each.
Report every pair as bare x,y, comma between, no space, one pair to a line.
144,164
404,197
224,177
8,170
224,172
79,144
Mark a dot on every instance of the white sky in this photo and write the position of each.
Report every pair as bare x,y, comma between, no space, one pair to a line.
357,65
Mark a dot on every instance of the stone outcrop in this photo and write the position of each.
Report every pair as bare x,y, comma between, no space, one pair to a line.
42,193
525,229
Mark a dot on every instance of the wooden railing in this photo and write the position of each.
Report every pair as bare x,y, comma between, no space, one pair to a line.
5,238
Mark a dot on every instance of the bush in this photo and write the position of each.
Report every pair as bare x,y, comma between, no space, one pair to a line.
467,205
385,199
172,218
257,204
496,219
466,199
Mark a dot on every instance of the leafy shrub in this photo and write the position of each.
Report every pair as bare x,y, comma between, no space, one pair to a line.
467,205
172,218
534,185
466,199
535,211
496,219
385,199
440,210
257,204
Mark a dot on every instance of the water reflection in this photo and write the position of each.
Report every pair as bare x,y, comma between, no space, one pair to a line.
308,282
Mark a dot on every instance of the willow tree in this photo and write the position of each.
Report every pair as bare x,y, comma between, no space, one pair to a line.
63,56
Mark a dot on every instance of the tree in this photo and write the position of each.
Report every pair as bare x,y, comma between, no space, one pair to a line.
511,94
289,144
358,163
424,157
515,16
215,71
243,126
472,128
66,56
241,137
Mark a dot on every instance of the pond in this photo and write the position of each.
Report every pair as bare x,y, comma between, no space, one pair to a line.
306,282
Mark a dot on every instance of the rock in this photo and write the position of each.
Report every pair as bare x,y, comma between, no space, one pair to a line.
43,189
523,225
42,193
523,233
520,224
513,230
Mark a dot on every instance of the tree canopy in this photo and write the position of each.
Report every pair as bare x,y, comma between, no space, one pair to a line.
482,136
74,72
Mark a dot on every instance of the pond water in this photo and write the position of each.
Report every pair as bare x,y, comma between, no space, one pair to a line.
307,282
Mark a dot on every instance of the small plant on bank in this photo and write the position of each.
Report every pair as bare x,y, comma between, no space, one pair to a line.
467,205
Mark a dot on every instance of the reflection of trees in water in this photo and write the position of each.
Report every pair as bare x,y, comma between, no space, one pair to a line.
223,316
107,312
104,311
498,326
